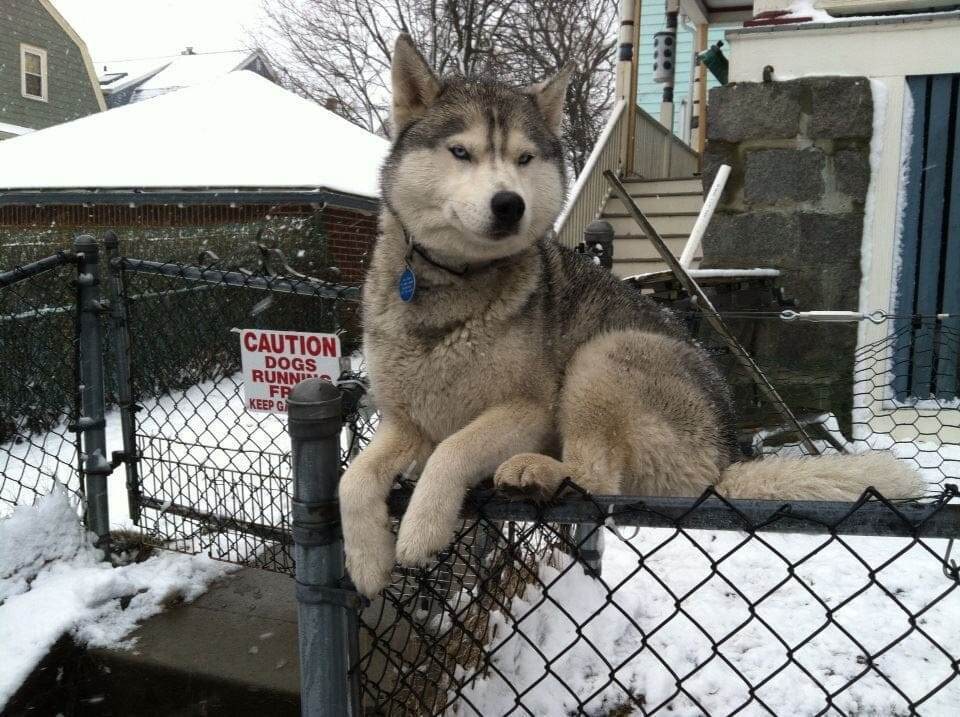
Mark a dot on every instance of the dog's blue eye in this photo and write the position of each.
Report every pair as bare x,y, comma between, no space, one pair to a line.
525,159
459,152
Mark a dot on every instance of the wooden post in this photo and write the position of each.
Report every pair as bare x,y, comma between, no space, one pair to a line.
700,93
631,98
626,80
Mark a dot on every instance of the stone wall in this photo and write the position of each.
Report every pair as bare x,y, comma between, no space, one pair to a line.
799,151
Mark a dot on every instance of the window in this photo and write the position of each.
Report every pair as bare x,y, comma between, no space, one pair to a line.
33,73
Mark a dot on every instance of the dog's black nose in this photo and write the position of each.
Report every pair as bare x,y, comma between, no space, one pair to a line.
507,208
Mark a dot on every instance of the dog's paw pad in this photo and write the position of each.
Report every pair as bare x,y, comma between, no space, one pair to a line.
530,473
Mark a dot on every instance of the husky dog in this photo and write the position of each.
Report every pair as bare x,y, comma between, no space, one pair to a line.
493,350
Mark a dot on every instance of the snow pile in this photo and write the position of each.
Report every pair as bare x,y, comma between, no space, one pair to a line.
53,580
173,72
879,92
605,666
805,8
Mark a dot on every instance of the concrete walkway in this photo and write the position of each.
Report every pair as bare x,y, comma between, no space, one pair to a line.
232,651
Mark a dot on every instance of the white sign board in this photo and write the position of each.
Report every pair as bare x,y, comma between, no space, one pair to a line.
276,361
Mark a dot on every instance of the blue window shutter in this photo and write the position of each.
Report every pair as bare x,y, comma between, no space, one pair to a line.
947,365
931,232
925,358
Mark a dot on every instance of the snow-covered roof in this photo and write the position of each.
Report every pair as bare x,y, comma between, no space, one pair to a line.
14,129
164,74
239,131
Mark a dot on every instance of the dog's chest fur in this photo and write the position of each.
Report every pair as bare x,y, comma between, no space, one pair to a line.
457,349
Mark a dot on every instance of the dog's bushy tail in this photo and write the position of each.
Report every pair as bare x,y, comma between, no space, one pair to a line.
833,477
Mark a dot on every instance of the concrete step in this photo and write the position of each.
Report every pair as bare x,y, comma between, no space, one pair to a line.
666,224
684,185
641,248
660,203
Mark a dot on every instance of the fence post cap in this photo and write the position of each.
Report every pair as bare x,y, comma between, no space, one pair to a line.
84,242
599,227
314,400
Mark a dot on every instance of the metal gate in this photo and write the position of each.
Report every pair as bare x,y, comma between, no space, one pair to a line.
203,473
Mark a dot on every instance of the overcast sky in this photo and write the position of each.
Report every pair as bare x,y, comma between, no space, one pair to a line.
132,29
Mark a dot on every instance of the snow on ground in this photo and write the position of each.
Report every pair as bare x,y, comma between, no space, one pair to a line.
538,651
205,424
53,581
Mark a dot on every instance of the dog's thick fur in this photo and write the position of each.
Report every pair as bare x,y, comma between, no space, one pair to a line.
517,357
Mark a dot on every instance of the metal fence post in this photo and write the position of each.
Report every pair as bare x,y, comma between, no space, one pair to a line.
120,342
588,537
598,242
315,420
91,423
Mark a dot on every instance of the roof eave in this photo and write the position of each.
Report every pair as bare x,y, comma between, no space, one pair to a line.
188,195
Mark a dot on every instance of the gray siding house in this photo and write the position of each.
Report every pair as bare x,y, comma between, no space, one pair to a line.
46,74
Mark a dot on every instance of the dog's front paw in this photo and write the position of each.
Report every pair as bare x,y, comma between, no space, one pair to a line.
532,474
421,537
370,555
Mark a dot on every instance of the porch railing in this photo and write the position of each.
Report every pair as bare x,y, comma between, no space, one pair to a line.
590,191
658,153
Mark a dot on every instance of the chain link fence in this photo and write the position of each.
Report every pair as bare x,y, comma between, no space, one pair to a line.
695,606
39,380
213,476
699,606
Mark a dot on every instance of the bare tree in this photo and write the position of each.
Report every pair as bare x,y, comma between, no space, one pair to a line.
340,50
543,34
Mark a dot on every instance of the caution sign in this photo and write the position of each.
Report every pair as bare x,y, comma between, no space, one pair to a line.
276,361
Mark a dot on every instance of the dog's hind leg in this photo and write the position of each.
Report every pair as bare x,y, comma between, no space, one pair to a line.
632,420
459,462
367,538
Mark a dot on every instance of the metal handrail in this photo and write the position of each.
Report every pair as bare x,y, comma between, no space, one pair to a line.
658,154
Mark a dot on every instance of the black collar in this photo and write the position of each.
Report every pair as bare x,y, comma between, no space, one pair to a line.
414,248
422,253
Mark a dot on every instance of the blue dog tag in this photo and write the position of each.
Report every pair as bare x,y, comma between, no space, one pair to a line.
408,285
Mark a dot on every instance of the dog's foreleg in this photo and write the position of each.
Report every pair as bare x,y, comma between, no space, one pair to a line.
459,463
367,538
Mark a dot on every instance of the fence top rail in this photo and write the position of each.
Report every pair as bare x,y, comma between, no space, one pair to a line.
26,271
282,284
937,517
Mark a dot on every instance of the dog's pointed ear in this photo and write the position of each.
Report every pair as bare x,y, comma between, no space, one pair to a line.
415,87
550,94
